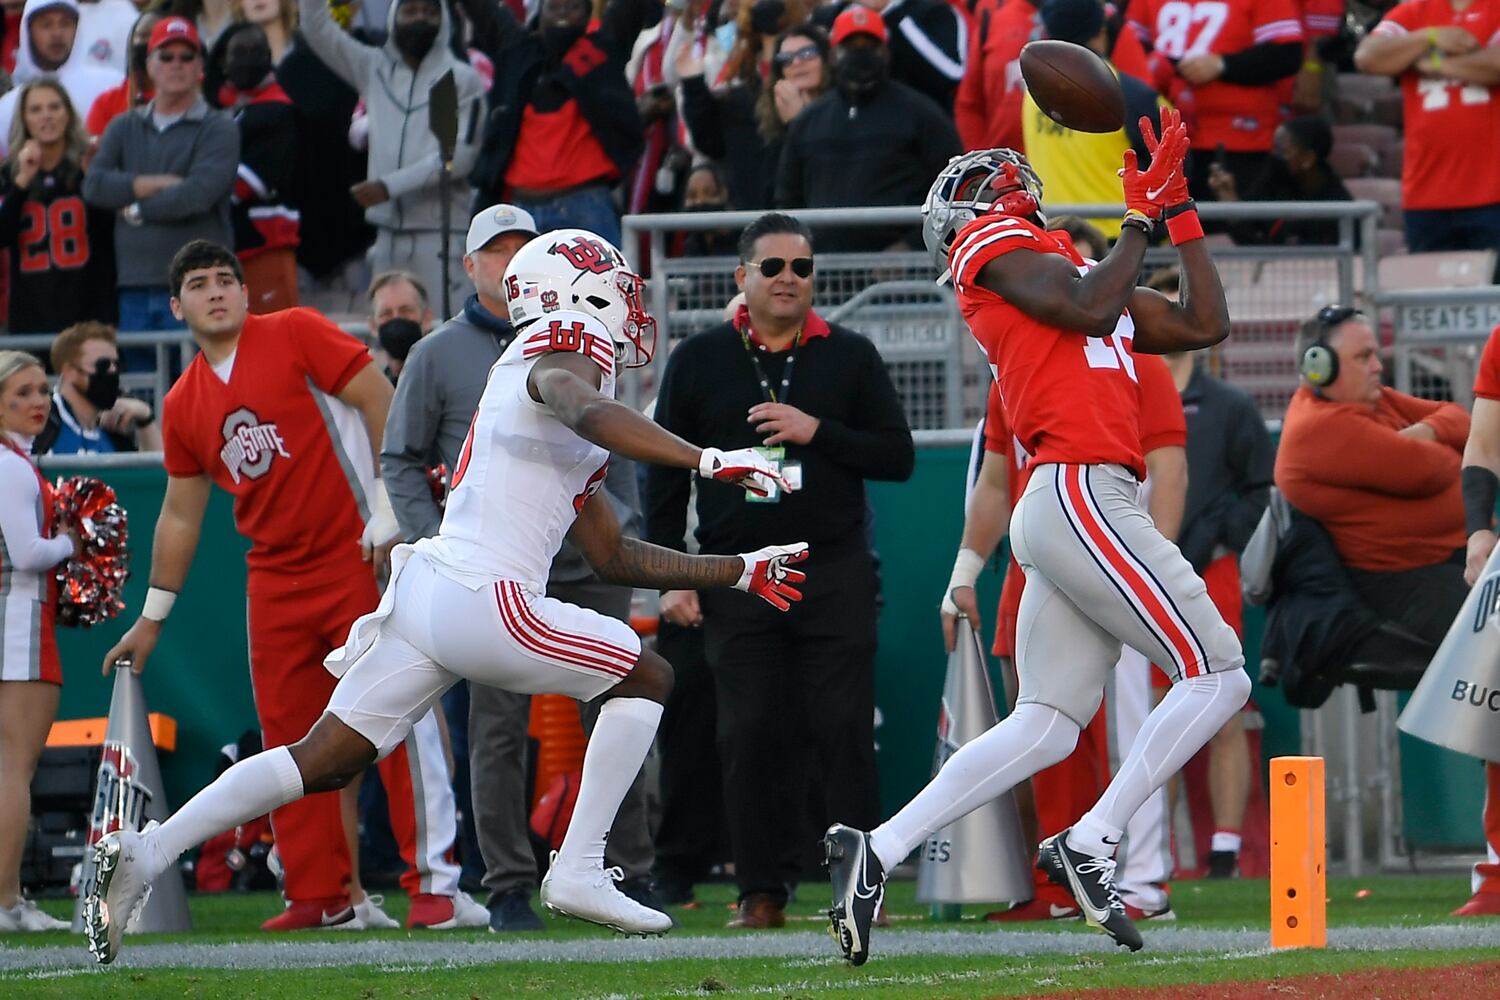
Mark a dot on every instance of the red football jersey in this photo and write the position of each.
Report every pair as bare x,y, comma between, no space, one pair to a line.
296,459
1242,118
987,105
1487,379
1069,399
1449,123
1163,425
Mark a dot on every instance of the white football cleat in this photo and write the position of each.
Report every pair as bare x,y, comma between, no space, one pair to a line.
592,896
368,916
27,916
121,888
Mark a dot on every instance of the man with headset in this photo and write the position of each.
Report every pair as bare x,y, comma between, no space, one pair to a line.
1380,470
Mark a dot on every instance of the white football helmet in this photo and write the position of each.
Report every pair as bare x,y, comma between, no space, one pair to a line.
578,270
975,184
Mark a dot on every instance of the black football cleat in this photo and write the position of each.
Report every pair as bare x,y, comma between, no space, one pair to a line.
858,887
1091,881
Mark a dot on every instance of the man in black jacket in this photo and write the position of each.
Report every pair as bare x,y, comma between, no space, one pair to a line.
869,141
563,125
844,424
929,43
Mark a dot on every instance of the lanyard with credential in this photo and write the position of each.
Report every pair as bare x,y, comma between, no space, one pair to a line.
770,395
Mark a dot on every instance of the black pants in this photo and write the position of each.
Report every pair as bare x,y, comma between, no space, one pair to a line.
1424,601
796,710
689,838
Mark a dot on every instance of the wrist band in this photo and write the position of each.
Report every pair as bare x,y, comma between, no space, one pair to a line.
1184,226
1432,37
1141,223
158,604
966,567
1480,487
1312,66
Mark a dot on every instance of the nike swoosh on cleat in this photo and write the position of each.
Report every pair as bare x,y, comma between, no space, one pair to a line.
334,919
1059,912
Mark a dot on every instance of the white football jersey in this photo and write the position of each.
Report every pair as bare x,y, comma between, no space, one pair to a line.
522,475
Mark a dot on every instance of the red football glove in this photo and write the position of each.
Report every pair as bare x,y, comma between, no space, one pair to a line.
1149,191
1171,118
766,574
743,466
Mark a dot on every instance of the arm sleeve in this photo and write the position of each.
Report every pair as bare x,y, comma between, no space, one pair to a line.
19,492
427,171
879,446
941,39
1250,444
700,111
12,206
267,164
330,356
106,184
668,488
210,181
1264,63
347,57
410,430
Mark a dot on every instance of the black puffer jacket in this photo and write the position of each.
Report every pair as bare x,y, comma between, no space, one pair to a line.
724,127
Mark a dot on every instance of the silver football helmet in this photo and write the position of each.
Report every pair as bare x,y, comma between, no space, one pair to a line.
974,184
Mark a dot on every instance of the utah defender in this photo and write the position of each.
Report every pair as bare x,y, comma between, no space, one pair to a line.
469,602
1060,339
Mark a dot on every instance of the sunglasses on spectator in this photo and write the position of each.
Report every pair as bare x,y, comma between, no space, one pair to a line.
805,54
185,56
802,267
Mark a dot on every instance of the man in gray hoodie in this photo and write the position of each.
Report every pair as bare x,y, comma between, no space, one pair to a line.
439,389
168,169
402,195
48,45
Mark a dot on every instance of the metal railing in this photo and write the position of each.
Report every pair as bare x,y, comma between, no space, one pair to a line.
938,371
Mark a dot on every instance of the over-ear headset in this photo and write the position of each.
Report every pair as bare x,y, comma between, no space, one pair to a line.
1320,362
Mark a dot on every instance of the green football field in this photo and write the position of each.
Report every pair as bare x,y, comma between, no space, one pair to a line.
1379,926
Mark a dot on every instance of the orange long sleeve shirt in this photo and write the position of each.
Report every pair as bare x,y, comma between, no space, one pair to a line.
1391,502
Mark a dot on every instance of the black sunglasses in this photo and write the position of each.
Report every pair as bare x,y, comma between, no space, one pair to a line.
804,54
802,267
1331,316
182,57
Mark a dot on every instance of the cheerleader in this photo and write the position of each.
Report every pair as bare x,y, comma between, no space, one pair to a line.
30,675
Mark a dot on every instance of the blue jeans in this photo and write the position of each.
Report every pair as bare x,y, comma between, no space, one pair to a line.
589,208
146,309
1475,228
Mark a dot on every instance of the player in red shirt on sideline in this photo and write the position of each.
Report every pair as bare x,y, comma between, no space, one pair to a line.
1061,339
1444,54
1481,466
1221,62
1066,790
285,412
470,602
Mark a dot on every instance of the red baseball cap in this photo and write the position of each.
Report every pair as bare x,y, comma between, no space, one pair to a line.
856,20
170,30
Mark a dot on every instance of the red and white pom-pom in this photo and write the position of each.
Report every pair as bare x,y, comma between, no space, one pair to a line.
91,587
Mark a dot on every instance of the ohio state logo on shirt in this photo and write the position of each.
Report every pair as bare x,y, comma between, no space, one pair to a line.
249,445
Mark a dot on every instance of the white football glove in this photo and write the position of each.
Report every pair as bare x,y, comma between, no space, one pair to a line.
381,527
768,577
744,467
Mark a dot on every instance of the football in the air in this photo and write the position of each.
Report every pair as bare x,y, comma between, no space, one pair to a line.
1073,86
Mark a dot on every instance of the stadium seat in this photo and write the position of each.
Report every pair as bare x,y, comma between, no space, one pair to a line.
1377,137
1386,191
1389,242
1446,269
1391,159
1353,159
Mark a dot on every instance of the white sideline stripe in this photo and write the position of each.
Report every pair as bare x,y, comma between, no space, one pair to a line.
1162,943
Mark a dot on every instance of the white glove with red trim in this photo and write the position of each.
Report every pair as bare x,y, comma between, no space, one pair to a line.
744,467
768,577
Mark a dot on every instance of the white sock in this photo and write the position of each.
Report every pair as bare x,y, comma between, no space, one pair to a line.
1193,711
1029,739
1226,840
617,749
251,788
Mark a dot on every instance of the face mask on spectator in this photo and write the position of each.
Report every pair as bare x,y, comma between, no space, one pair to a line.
725,34
103,388
859,71
414,40
247,70
765,16
398,336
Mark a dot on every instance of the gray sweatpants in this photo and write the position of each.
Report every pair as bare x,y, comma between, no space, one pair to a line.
497,763
1099,574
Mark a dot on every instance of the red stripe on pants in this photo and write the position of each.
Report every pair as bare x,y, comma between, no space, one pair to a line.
291,630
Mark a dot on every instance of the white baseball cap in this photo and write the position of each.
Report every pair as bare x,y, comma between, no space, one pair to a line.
496,221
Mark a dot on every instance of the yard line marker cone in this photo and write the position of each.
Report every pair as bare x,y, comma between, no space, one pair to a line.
127,795
981,858
1299,891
